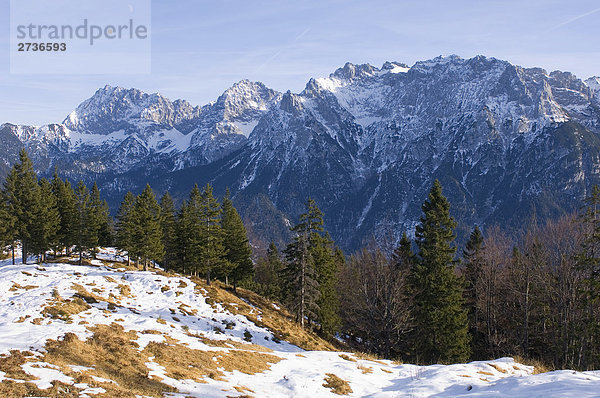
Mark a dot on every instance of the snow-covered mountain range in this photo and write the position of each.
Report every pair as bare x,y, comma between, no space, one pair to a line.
365,143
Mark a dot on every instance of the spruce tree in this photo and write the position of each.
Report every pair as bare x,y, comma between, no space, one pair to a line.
168,224
99,225
23,199
185,235
206,252
441,332
124,225
236,243
326,267
268,274
86,232
66,203
7,225
403,257
472,268
147,233
301,288
44,233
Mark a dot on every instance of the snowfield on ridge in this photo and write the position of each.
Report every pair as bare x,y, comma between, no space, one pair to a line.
171,336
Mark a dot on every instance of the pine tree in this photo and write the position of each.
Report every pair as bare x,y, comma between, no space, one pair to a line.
66,203
86,232
44,233
185,235
124,225
326,267
268,274
206,253
22,196
472,275
7,225
236,243
147,234
441,321
168,224
403,257
301,288
99,225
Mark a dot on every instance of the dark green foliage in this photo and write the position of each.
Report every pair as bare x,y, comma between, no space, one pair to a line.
146,231
124,225
44,233
206,252
7,223
326,266
301,289
86,236
267,276
441,327
168,224
310,275
236,245
66,203
23,200
403,257
472,270
99,223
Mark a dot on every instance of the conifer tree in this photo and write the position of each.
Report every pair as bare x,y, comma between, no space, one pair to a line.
124,225
66,204
185,234
268,273
403,257
168,224
206,253
86,233
99,225
326,267
441,332
147,234
22,195
7,225
472,275
299,275
236,243
44,233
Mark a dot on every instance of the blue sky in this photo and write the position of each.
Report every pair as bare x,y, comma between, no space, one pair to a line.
200,48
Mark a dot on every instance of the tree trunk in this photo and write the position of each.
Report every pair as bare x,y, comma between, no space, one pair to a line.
12,247
80,257
24,251
208,277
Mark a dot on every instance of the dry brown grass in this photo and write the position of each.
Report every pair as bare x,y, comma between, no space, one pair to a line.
347,358
337,385
113,356
485,372
124,290
16,287
538,366
365,369
60,308
181,362
498,368
279,322
385,370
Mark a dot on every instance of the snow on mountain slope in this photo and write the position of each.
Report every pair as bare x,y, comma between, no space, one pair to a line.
104,330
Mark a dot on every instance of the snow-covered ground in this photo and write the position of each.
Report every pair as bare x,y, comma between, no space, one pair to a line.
178,312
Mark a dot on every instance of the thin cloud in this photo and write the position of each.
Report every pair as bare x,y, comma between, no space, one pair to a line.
578,17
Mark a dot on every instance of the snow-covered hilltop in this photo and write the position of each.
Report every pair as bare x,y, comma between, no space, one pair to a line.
104,330
365,142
